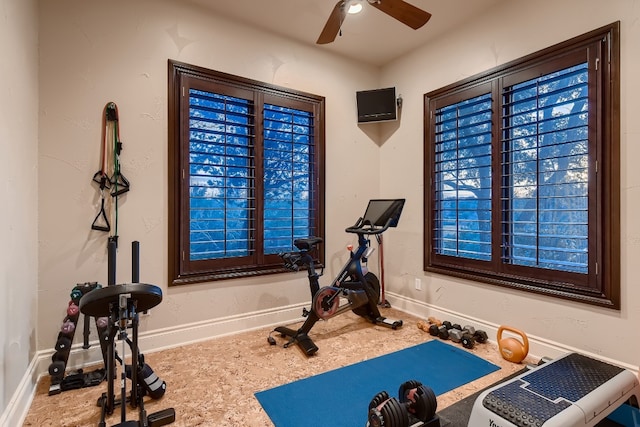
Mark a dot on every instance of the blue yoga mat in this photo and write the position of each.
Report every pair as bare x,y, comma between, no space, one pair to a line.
340,398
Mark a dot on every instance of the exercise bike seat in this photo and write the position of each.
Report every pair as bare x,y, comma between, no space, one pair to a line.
307,243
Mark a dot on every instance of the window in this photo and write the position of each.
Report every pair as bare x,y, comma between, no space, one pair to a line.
246,174
522,182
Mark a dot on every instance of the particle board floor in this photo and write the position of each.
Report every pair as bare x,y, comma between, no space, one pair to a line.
212,383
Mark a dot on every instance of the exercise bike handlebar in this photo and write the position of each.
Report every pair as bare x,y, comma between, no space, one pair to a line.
291,260
365,227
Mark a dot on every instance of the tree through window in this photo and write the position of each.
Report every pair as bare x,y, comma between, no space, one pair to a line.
522,186
246,173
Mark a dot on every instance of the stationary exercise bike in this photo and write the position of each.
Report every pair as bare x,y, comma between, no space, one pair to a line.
354,288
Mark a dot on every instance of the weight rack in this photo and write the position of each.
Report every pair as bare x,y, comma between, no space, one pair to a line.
64,341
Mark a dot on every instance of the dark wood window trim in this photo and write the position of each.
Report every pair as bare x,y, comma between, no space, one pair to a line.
601,285
181,269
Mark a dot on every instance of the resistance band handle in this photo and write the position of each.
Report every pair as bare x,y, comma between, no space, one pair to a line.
101,215
100,227
102,179
119,185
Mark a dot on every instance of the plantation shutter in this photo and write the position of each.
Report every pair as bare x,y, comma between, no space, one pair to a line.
462,179
221,176
289,211
545,186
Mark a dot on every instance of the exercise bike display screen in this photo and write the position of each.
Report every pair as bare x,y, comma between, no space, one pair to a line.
379,211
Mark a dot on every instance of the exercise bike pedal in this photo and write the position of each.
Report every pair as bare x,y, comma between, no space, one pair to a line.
389,323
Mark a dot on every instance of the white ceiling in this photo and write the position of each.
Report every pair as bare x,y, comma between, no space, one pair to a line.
370,36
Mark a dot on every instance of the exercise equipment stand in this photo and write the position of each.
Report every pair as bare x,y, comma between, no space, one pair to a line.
64,340
122,305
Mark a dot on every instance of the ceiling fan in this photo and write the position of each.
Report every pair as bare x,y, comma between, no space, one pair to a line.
397,9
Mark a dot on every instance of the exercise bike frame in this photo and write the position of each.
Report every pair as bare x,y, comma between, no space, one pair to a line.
352,283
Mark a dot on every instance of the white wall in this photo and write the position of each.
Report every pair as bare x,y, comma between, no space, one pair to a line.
18,191
512,30
95,52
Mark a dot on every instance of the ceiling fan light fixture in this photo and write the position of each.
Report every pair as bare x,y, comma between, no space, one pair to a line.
400,10
355,7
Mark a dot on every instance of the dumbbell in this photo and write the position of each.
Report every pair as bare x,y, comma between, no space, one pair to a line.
63,348
419,400
56,369
469,337
387,412
462,336
63,343
433,321
480,336
434,330
61,355
415,400
76,294
455,334
68,328
423,325
102,322
470,329
443,332
102,325
72,310
434,324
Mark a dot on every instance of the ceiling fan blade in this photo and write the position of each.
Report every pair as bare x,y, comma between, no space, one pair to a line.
404,12
333,24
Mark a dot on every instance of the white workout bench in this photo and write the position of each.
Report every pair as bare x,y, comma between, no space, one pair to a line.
570,391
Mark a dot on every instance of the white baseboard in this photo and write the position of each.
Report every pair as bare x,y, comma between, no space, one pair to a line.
181,335
18,406
538,346
151,342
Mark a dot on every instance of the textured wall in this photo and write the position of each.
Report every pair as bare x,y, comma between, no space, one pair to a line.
18,191
95,52
512,30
